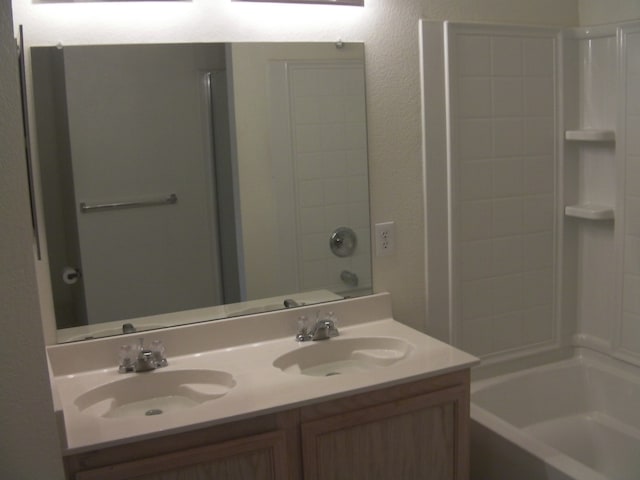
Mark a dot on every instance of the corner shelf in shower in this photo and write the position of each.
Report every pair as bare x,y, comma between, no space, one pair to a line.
590,135
590,211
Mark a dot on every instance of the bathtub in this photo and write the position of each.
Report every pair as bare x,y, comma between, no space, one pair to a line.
573,419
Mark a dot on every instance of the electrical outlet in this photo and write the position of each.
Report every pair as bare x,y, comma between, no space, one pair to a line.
385,239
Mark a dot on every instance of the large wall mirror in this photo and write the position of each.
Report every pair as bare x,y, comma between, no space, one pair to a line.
191,182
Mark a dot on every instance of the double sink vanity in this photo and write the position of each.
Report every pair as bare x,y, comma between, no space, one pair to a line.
246,399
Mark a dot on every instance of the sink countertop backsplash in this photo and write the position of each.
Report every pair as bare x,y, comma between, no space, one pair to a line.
246,349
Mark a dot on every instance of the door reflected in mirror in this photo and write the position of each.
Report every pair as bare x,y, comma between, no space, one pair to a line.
191,182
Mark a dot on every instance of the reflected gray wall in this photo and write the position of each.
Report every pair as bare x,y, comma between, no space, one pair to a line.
125,123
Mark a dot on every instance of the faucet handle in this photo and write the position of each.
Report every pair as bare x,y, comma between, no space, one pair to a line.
159,355
134,357
331,321
304,329
128,355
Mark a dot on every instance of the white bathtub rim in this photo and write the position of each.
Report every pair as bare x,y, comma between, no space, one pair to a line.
495,367
547,454
582,357
478,385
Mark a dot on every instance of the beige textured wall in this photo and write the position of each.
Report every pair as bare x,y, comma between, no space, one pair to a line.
597,12
28,443
393,116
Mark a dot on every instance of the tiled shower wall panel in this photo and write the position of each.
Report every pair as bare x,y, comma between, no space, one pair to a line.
502,165
630,326
328,122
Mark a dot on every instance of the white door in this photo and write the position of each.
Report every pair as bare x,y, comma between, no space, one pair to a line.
139,132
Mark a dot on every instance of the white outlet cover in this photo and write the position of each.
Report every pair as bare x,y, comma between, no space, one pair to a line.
385,238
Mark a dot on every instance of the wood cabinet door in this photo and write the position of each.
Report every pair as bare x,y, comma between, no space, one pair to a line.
258,457
421,437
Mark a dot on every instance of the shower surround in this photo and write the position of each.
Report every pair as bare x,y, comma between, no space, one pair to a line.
532,156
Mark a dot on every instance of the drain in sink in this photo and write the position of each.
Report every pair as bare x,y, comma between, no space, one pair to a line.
153,411
332,373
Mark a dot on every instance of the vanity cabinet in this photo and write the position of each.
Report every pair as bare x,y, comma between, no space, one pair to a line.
415,430
413,438
254,449
410,431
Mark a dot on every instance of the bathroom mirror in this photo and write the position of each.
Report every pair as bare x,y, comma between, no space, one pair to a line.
191,182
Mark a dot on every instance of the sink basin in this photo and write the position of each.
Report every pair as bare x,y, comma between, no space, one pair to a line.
344,356
155,393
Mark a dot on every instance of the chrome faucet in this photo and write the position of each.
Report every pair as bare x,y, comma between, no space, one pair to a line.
290,303
323,328
349,278
137,358
128,328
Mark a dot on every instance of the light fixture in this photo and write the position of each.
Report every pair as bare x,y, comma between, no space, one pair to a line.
359,3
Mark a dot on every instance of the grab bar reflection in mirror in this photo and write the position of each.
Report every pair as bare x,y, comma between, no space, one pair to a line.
93,207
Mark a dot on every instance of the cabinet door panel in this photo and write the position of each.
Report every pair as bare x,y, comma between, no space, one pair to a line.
248,466
409,439
260,457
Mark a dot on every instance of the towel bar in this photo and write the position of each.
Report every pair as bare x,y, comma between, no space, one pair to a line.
168,200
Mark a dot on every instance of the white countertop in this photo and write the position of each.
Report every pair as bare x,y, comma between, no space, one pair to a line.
260,387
